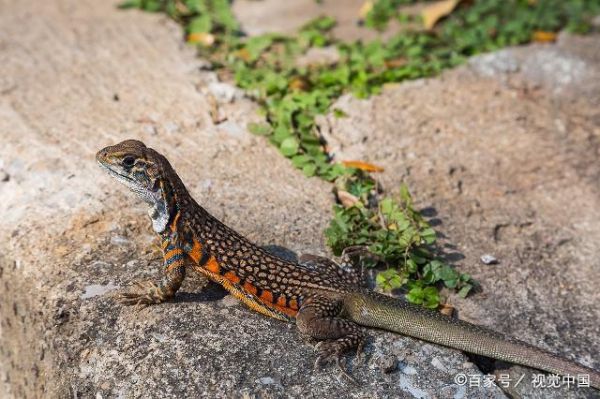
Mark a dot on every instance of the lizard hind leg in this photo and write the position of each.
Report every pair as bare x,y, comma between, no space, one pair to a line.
320,319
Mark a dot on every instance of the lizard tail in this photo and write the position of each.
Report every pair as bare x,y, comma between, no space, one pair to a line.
392,314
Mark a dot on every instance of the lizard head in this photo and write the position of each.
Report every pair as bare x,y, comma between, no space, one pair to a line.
145,172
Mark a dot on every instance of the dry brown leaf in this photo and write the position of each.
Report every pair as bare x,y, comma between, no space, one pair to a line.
396,62
365,9
541,36
206,39
298,83
181,7
346,199
446,309
213,109
243,53
436,11
367,167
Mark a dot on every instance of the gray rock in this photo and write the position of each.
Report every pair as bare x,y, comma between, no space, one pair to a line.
493,64
119,240
224,92
319,56
66,225
94,290
488,259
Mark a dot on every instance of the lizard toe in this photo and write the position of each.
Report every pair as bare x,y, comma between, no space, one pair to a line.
331,351
136,298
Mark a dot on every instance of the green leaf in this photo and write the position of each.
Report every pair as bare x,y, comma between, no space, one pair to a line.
280,134
386,206
257,44
224,15
431,297
412,266
428,235
130,4
389,279
152,5
260,129
300,160
200,24
289,146
309,170
415,295
451,283
405,195
322,24
339,113
464,291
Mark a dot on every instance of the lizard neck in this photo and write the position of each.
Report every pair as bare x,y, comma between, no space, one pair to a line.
170,197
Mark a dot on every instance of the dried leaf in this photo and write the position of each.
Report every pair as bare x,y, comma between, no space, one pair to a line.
446,309
298,83
367,167
365,9
346,199
436,11
541,36
203,38
213,109
395,62
243,54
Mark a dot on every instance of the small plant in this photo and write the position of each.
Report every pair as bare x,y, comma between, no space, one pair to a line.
401,239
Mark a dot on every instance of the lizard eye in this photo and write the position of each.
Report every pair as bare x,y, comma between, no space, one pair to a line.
128,161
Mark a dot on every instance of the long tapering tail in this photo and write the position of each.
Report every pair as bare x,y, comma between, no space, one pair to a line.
375,310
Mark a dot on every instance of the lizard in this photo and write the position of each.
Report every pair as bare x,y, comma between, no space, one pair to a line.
325,299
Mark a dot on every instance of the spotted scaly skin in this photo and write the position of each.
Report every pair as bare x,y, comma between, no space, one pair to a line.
325,299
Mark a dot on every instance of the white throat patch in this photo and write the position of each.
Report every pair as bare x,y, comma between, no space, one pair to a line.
158,212
159,215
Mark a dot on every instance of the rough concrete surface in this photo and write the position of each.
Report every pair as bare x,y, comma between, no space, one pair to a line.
505,155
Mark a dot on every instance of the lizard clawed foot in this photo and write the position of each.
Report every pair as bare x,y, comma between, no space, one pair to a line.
149,294
332,351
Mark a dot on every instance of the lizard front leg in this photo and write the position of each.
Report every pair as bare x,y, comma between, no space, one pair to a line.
174,273
320,319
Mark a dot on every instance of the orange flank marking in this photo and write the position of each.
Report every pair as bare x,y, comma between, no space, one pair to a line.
249,288
175,220
281,301
293,304
267,296
231,276
173,252
246,292
196,252
212,265
175,265
286,310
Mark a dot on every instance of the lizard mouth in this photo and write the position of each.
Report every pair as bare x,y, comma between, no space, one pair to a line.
138,188
131,183
114,173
